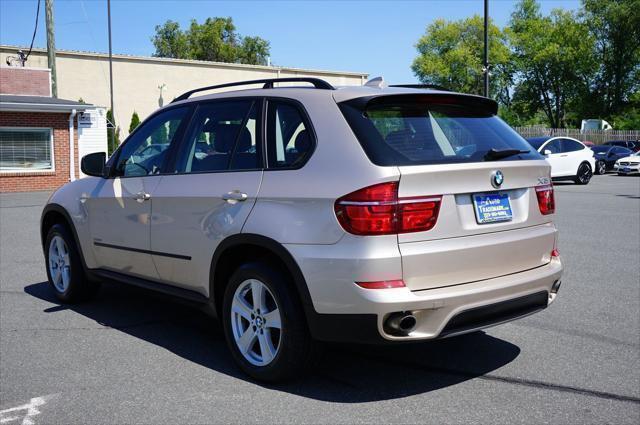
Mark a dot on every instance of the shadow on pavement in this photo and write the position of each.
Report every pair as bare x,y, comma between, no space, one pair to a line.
347,373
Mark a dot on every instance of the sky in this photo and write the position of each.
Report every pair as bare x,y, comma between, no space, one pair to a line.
375,37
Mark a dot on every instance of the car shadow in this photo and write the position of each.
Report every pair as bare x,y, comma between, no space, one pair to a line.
346,374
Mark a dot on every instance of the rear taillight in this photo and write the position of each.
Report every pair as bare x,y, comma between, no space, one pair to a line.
546,201
377,210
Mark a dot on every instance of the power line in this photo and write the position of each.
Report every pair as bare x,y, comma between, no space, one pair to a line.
35,30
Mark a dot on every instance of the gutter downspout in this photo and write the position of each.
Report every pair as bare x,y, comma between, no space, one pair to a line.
72,157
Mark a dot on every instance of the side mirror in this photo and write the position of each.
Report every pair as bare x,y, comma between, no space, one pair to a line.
93,164
547,152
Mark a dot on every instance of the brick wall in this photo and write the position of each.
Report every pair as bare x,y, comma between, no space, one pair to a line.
24,81
31,181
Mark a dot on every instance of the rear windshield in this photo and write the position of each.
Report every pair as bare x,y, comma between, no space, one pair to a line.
416,132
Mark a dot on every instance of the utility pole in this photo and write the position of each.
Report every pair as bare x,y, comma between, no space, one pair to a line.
113,113
486,48
51,47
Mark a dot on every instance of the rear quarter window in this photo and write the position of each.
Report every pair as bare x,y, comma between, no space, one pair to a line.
416,132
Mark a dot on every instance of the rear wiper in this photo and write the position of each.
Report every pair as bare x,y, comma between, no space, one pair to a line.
493,155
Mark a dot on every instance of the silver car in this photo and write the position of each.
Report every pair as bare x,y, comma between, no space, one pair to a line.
303,214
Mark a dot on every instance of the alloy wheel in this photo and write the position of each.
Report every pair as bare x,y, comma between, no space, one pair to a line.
602,167
59,264
584,173
256,324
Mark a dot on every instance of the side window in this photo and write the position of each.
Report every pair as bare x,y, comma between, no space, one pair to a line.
569,145
289,142
554,146
222,136
145,151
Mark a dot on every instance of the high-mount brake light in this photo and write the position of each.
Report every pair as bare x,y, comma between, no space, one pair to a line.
377,210
546,200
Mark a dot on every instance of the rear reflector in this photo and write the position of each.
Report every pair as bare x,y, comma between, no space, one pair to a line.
383,284
377,210
546,201
555,253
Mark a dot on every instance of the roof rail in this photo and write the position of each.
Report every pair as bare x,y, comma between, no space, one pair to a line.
421,86
268,84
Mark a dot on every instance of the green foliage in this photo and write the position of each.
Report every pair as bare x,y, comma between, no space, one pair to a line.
135,122
113,133
451,55
214,40
615,25
552,56
556,69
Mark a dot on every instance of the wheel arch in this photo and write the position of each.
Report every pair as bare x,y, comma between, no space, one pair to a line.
57,214
237,249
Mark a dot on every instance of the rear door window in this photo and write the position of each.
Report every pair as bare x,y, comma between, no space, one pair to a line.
569,145
222,136
416,132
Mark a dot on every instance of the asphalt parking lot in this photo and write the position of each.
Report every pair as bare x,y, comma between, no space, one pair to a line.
134,357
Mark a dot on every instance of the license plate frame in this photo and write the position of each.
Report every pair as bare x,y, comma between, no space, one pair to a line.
492,207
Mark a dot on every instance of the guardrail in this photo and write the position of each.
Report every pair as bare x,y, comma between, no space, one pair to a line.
596,136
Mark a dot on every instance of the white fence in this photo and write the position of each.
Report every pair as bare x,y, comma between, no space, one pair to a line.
596,136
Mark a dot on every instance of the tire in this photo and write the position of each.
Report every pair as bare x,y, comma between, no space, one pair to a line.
290,350
601,167
584,174
65,272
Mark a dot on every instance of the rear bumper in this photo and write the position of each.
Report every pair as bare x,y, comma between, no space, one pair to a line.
445,311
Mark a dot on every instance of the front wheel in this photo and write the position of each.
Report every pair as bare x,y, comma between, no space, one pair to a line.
583,176
265,326
64,267
601,167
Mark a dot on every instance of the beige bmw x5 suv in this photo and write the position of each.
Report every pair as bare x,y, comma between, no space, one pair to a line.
304,213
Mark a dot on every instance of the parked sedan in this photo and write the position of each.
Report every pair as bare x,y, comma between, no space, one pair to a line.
628,165
607,155
633,146
570,159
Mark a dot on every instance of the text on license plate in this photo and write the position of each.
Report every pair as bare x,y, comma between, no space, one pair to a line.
492,207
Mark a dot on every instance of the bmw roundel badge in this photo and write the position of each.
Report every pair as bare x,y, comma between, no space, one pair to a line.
497,179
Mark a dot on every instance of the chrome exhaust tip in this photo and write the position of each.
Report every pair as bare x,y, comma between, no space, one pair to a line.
400,323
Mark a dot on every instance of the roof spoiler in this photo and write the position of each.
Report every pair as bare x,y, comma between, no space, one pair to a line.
267,84
452,98
421,86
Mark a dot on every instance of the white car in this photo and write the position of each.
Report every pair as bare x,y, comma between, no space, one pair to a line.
570,159
628,165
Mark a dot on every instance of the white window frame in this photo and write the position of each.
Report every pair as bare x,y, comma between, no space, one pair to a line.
27,170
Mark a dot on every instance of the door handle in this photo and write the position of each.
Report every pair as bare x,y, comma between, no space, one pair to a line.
235,196
564,155
142,196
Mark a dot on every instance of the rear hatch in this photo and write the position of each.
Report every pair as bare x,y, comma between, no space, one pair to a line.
490,221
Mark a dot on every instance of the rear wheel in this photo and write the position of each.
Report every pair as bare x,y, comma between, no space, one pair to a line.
64,267
584,174
264,324
601,167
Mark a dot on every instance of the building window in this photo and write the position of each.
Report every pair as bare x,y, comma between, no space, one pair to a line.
26,149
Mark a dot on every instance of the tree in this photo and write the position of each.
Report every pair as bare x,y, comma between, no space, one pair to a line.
553,60
451,55
615,25
135,121
113,133
216,39
254,50
170,41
